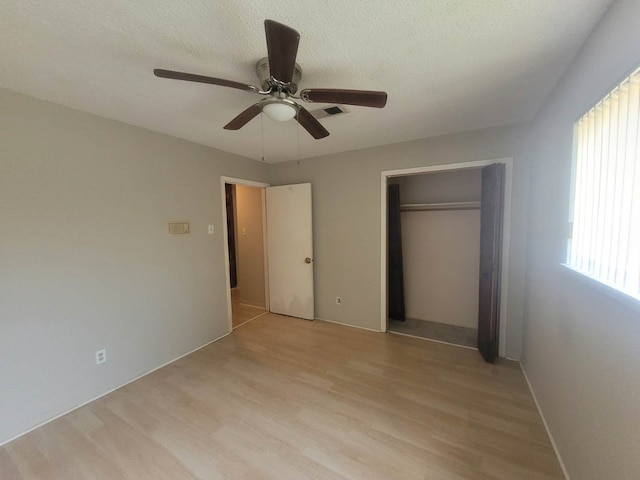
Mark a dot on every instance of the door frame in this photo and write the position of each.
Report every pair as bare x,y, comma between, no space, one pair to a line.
247,183
506,231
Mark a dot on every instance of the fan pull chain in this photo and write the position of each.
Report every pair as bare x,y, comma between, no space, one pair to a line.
298,130
262,133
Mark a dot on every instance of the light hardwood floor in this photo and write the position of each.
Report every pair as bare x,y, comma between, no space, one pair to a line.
282,398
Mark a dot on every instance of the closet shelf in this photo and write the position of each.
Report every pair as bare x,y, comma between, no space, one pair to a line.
424,207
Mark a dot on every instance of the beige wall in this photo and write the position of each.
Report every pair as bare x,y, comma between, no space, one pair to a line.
441,187
250,253
85,259
441,257
581,348
346,222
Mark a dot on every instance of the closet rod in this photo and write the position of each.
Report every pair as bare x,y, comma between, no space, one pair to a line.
424,207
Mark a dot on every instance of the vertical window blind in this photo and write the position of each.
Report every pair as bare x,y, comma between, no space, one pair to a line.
605,237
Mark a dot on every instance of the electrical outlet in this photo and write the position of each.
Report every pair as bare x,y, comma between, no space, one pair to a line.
338,301
211,229
101,356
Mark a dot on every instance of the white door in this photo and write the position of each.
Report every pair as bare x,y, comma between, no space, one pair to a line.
290,250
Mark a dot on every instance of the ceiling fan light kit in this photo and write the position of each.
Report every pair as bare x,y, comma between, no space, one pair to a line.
279,76
279,110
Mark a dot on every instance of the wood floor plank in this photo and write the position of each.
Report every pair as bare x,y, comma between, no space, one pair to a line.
283,398
8,468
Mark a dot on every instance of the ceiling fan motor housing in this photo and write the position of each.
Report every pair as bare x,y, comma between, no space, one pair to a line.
262,69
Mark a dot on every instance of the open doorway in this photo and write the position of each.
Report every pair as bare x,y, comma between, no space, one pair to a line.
246,251
286,286
443,275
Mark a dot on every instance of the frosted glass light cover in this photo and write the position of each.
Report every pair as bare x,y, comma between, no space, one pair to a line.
280,112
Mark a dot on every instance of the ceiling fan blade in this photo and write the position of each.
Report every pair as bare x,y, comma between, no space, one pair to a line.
282,47
191,77
244,117
311,123
364,98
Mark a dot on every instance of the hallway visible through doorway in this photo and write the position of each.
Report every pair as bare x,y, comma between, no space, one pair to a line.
242,313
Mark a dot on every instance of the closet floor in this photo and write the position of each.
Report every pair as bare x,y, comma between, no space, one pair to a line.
467,337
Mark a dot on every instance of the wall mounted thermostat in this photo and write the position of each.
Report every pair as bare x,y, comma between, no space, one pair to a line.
178,228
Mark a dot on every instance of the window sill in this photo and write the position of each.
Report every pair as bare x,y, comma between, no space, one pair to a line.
623,298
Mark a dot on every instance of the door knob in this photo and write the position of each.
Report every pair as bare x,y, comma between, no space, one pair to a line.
307,260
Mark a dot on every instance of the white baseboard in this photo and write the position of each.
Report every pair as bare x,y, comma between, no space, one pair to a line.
546,425
108,392
347,325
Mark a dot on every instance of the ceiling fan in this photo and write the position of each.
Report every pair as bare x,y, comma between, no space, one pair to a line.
279,77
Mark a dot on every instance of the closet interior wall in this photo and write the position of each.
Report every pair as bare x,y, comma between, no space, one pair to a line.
441,246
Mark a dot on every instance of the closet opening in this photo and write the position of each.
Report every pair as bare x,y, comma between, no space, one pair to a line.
445,254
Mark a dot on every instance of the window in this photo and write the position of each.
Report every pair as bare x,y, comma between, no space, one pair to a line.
605,231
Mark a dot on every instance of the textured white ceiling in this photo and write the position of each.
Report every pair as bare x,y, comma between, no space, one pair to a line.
448,65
